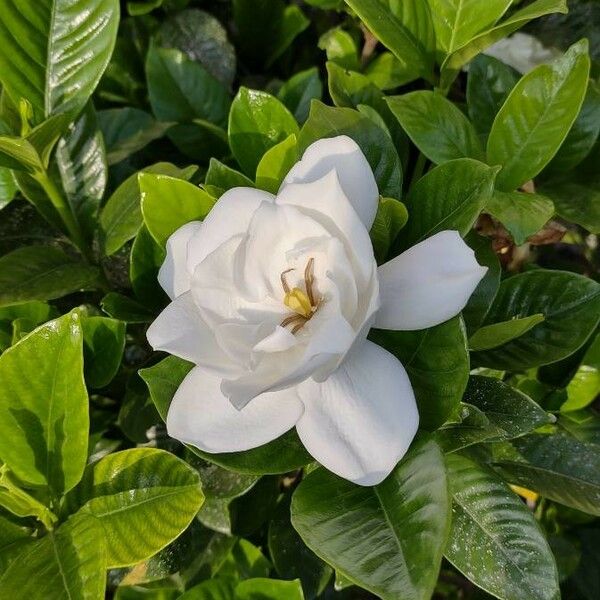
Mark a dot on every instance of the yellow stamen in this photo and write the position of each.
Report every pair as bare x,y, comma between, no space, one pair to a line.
299,302
525,493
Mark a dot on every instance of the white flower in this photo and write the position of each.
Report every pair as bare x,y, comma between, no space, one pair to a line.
522,51
273,297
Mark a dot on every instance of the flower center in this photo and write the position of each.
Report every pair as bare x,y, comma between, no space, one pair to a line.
302,303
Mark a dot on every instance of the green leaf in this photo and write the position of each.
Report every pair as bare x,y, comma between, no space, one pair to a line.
268,589
81,161
212,589
18,153
325,121
576,202
495,541
340,48
387,72
492,336
143,499
291,558
457,22
224,177
128,130
180,89
570,304
393,29
452,64
168,203
279,456
390,218
8,187
42,273
199,139
536,117
436,126
522,214
451,196
257,122
69,45
388,538
298,91
144,263
583,425
69,563
437,363
121,217
584,387
481,299
276,163
103,345
489,83
125,309
556,466
44,406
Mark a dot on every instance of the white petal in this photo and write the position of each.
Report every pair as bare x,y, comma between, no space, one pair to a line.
356,177
200,415
180,330
361,420
428,284
229,217
173,275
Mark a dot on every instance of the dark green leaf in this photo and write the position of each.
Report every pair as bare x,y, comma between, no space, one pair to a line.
144,262
103,345
584,387
298,91
125,309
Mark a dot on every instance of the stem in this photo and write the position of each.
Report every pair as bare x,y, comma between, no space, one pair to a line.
64,211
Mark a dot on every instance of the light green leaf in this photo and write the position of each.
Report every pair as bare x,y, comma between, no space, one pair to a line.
437,363
69,563
387,72
69,44
390,218
8,187
224,177
298,91
584,387
212,589
397,31
340,48
18,153
257,122
436,126
522,214
556,466
268,589
276,163
121,217
279,456
325,121
495,541
570,304
103,345
536,117
168,203
143,499
42,273
496,334
388,538
451,196
44,406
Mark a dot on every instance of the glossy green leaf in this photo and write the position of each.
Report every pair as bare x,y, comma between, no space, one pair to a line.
298,92
390,218
451,196
576,202
495,541
180,89
121,217
340,48
325,121
276,163
42,273
143,499
395,30
556,466
268,589
168,203
583,425
457,22
584,387
437,363
222,176
125,309
257,122
489,83
128,130
69,44
8,187
496,334
103,345
44,406
69,563
460,57
388,538
468,426
387,72
81,161
212,589
145,259
279,456
522,214
571,307
536,117
436,126
18,153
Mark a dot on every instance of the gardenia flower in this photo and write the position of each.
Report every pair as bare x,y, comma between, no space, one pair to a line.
273,298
